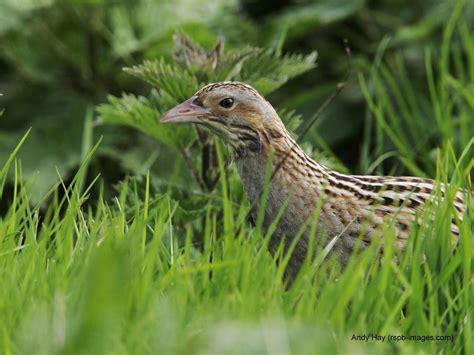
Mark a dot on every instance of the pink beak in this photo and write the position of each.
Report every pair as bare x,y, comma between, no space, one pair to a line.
185,112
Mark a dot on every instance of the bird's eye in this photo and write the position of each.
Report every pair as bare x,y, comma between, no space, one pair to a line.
227,102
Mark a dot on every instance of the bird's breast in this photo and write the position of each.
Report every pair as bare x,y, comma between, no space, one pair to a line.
290,199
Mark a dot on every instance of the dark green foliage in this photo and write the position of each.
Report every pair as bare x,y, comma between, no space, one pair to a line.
52,72
174,81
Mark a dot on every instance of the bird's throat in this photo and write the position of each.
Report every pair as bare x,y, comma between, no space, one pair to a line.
288,170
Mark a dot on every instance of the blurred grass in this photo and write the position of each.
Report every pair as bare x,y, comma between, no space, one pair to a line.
121,278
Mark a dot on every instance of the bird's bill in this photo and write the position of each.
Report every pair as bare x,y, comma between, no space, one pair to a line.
184,113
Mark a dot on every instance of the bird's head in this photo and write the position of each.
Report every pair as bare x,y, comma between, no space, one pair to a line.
235,111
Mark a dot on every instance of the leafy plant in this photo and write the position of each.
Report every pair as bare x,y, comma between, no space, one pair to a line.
60,58
175,81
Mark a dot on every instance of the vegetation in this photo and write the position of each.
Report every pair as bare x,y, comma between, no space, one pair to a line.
115,241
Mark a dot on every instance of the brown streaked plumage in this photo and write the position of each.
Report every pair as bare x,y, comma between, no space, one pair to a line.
355,208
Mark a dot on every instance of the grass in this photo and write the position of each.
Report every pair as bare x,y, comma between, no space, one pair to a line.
122,276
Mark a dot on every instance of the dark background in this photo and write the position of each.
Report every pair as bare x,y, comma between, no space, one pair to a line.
59,59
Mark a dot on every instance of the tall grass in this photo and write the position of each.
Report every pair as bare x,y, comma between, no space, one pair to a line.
114,279
119,278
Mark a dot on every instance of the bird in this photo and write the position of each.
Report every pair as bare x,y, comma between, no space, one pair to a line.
354,209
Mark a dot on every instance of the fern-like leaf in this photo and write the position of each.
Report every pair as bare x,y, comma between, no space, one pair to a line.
176,81
268,71
140,113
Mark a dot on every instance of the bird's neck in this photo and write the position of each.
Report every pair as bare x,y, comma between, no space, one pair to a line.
287,165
